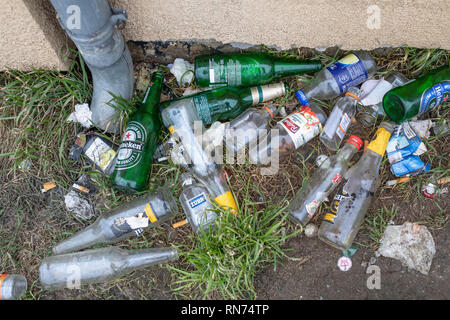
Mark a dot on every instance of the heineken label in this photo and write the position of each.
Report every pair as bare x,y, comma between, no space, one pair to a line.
434,96
302,126
132,147
348,72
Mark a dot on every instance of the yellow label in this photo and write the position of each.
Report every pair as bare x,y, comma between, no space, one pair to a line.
107,157
150,214
226,200
171,129
349,59
379,143
330,217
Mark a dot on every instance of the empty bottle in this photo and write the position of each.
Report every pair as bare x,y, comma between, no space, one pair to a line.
340,119
186,127
293,131
124,221
134,158
220,104
418,96
12,286
367,115
243,130
195,202
247,69
332,81
323,182
73,270
349,206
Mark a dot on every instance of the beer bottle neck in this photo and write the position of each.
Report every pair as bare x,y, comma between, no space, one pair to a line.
152,95
285,68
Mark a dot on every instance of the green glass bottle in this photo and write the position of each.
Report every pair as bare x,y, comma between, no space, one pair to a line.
134,158
220,104
247,69
418,96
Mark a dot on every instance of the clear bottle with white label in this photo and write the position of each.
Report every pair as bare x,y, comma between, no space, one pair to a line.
323,182
73,270
288,135
195,202
243,130
340,119
129,219
334,80
12,286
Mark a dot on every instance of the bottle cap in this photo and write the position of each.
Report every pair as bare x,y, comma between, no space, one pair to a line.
356,141
353,92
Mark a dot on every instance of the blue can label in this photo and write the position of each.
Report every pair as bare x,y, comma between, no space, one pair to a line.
197,201
348,72
434,96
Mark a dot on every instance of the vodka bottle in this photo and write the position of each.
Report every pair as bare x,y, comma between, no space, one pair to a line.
340,119
323,182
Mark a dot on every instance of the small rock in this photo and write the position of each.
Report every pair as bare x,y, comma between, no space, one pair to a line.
411,244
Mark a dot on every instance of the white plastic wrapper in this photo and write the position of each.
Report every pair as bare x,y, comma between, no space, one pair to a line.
179,67
373,91
82,115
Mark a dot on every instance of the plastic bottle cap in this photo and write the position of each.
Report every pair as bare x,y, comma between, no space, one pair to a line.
356,141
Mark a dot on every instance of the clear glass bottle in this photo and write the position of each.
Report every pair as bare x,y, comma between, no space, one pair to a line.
334,80
73,270
340,119
124,221
187,128
293,131
243,130
195,202
12,286
349,206
323,182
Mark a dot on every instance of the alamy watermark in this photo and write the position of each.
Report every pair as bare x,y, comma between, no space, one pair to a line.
74,19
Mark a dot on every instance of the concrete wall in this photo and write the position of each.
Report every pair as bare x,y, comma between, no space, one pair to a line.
31,37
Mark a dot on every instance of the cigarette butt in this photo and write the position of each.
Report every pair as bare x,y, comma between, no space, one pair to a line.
354,120
366,143
81,188
179,224
397,181
443,180
48,186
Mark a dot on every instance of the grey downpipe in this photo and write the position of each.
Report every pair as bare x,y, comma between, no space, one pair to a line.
91,24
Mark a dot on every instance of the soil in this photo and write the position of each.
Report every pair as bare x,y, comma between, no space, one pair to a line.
317,275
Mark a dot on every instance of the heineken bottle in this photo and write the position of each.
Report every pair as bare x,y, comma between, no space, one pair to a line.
220,104
418,96
247,69
125,221
73,270
139,141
